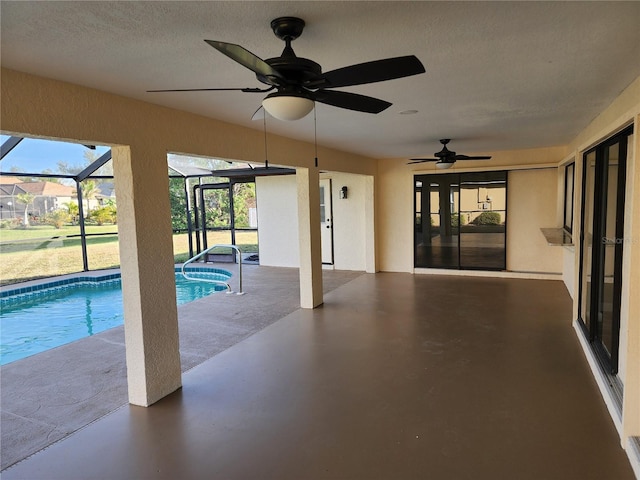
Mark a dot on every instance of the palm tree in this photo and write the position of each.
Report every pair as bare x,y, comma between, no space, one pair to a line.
73,210
26,199
89,191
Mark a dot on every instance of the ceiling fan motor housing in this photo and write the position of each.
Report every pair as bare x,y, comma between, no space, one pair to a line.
293,69
287,28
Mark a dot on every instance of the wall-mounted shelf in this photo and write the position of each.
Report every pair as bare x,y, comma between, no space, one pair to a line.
557,237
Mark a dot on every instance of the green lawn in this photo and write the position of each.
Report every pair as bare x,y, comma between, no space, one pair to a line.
47,231
44,251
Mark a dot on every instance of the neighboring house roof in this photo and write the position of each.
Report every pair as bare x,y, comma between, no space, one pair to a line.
48,189
106,190
5,180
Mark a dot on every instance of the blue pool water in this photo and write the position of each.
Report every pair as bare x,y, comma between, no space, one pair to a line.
35,319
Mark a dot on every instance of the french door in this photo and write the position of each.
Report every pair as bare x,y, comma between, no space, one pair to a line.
602,243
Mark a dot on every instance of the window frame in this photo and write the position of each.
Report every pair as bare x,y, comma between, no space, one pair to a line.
569,176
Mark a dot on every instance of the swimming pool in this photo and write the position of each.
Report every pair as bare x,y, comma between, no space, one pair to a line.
38,318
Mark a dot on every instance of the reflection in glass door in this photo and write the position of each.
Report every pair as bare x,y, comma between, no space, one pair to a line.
602,243
482,219
436,230
460,220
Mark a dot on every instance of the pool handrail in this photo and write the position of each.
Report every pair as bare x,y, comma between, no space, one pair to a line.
219,282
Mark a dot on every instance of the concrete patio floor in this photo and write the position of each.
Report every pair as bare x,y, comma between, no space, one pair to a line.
395,377
48,396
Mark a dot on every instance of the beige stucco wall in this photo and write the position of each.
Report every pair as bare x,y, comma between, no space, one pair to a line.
394,217
349,229
395,207
568,269
532,205
278,221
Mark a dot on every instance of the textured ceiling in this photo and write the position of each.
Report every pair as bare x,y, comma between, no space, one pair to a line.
500,75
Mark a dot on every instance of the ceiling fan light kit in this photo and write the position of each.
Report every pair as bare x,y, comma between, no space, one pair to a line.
287,106
444,165
300,82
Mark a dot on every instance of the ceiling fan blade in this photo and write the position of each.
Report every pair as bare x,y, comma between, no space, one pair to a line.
370,72
422,160
350,101
466,157
245,58
246,90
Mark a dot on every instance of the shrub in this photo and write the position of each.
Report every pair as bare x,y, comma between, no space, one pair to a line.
106,214
57,218
487,218
457,220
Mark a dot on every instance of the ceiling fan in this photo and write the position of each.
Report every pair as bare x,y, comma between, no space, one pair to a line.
445,158
299,82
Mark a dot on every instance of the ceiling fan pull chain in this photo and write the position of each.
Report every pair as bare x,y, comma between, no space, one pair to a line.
264,124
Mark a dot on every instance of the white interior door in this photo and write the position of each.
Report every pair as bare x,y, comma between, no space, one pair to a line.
326,221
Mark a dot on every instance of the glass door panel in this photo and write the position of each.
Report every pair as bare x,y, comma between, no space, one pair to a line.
605,320
587,238
599,296
483,214
442,248
435,226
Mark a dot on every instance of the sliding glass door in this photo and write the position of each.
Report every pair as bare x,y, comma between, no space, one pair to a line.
602,243
460,221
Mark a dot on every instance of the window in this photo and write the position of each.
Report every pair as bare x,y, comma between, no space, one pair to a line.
569,172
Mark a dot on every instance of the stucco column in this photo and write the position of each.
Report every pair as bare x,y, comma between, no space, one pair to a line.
148,280
308,182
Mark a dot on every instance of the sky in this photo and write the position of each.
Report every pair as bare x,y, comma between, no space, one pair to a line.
35,155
